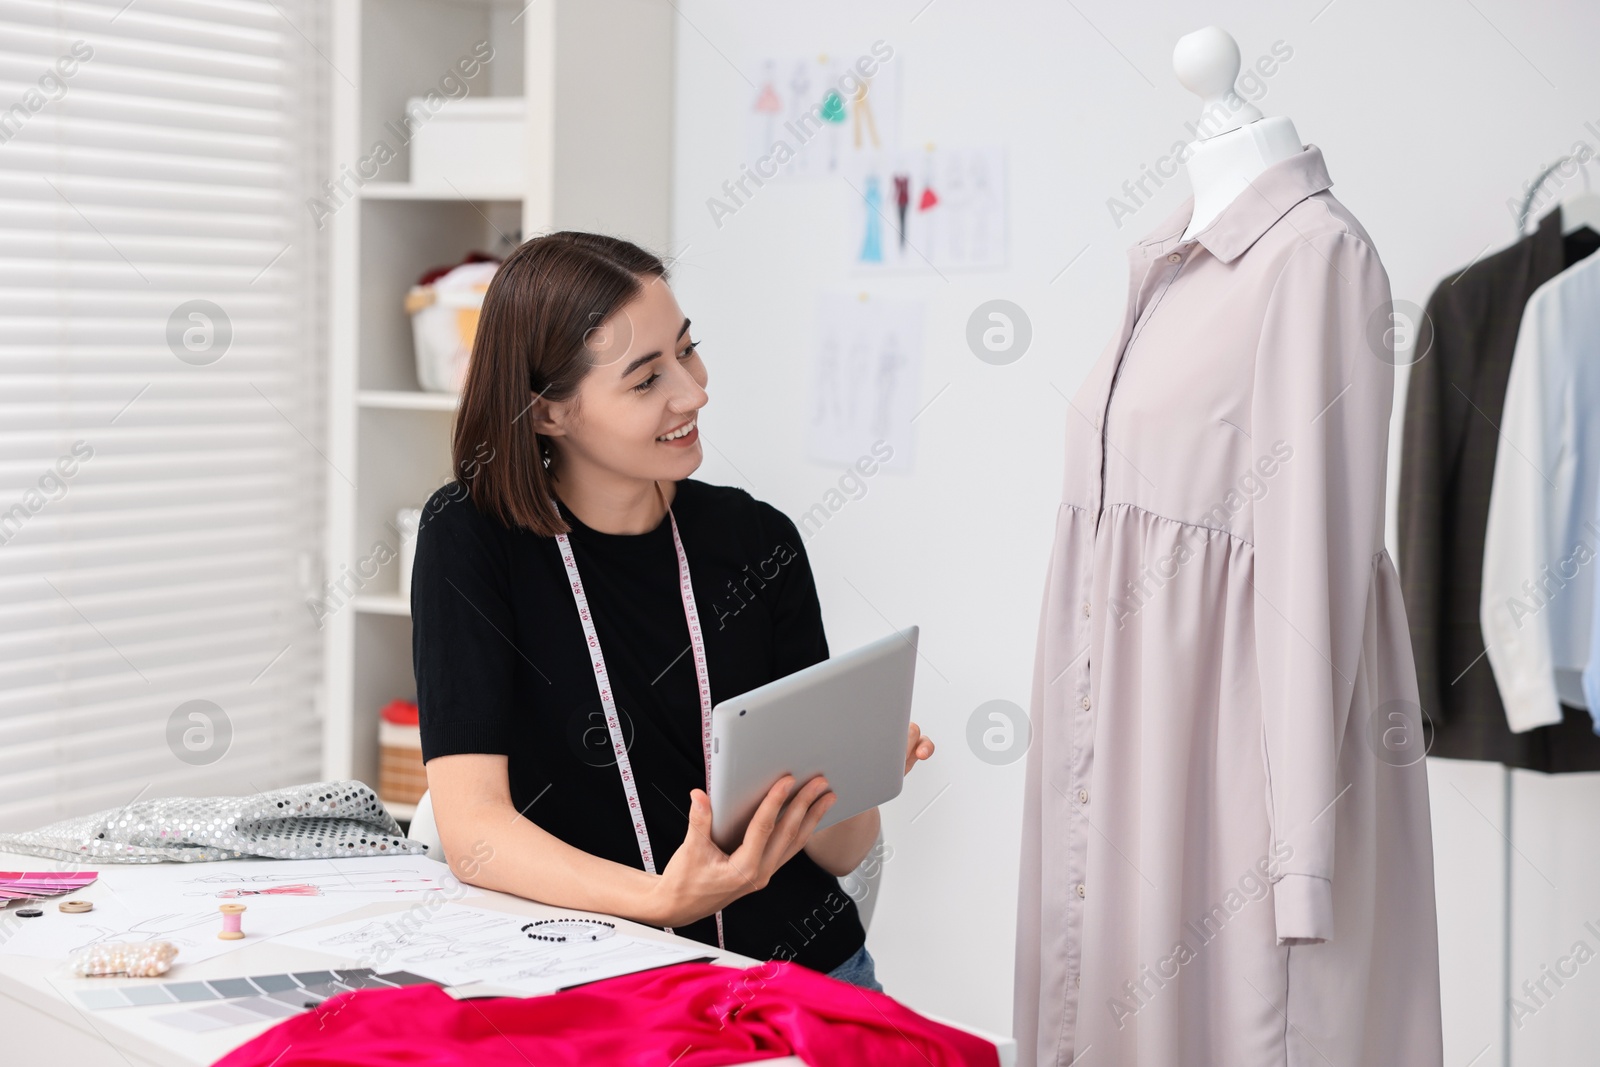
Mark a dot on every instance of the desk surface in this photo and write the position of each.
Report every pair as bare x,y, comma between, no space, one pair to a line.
40,1015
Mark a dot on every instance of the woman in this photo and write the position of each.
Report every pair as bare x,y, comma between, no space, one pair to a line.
565,748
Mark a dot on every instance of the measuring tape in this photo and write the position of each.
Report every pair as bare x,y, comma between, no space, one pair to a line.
569,929
603,680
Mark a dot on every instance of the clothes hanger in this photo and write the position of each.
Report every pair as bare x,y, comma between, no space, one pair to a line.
1582,210
1577,212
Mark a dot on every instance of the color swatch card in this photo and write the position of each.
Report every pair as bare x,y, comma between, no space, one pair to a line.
299,989
281,1003
24,885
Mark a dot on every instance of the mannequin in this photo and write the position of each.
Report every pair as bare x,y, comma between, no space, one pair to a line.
1226,853
1222,164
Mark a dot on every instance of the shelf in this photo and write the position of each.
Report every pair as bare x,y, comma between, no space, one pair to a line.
407,191
407,400
383,604
614,122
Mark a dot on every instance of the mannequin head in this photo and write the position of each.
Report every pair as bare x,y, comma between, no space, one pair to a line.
1207,64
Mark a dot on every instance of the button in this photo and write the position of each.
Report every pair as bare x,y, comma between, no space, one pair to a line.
1083,796
1080,889
1077,981
1084,703
1086,609
1175,257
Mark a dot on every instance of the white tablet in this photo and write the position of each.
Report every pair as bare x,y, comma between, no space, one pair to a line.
845,718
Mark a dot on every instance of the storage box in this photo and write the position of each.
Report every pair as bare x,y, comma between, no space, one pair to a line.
477,145
402,778
444,323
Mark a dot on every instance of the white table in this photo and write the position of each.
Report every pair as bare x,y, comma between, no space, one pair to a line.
42,1021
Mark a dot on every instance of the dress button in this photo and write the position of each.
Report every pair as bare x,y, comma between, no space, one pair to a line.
1083,796
1086,609
1084,703
1080,889
1174,258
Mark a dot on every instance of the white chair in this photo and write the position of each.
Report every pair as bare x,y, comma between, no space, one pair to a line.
425,830
861,884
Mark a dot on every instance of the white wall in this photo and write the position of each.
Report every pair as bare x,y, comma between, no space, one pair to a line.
1431,115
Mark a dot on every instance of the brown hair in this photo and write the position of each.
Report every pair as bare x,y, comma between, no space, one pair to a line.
536,314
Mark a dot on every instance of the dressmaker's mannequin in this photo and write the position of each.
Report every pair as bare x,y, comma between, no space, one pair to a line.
1241,143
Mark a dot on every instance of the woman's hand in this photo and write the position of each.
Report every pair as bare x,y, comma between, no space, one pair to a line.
917,746
700,878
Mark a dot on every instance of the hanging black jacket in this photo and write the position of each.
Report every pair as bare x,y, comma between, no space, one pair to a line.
1453,402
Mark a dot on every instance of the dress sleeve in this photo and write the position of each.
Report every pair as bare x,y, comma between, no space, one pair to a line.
462,628
1516,633
798,636
1323,392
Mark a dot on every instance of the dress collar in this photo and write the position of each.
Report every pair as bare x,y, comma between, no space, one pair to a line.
1270,196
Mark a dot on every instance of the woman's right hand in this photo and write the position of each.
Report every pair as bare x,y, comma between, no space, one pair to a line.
700,878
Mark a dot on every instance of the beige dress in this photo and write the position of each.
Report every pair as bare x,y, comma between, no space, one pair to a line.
1226,854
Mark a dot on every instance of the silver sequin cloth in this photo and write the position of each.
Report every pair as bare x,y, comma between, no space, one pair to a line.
297,823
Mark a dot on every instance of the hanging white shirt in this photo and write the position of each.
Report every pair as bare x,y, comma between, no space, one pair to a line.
1542,543
1591,672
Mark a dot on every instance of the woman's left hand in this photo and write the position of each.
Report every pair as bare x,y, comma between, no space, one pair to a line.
917,746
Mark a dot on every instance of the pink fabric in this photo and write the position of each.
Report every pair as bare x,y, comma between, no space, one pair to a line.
688,1015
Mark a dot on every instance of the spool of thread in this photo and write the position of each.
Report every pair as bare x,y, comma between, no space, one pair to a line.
230,921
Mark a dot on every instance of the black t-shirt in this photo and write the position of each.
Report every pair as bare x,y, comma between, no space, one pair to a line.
502,667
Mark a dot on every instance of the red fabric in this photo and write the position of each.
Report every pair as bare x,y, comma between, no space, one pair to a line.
433,275
687,1015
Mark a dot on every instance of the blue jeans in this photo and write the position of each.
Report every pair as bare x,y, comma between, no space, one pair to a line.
858,970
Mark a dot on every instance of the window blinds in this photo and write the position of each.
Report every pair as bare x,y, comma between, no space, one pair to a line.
161,399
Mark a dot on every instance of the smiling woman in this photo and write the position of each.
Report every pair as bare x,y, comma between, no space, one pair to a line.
564,680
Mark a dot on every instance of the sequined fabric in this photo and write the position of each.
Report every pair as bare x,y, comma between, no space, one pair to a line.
297,823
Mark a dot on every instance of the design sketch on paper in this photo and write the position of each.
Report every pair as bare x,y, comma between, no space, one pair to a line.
945,210
395,880
178,902
459,944
193,932
817,117
865,378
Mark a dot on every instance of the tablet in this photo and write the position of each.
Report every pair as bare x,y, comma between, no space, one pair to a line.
845,718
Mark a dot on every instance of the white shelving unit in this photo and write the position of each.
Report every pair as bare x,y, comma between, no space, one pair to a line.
405,400
596,78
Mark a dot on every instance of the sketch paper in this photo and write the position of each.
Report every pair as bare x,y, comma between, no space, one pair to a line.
192,928
865,379
178,902
458,944
814,117
352,882
929,211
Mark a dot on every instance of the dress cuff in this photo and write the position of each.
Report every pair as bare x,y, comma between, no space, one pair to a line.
1303,907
